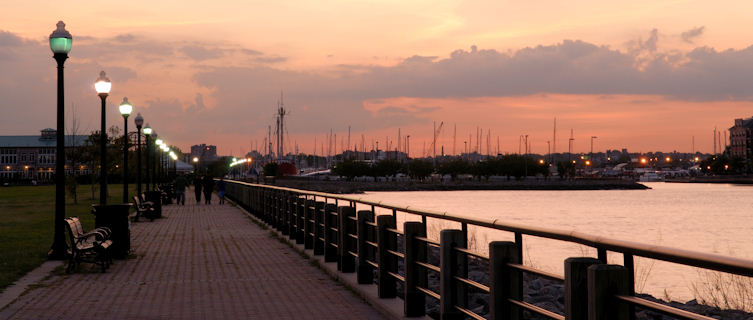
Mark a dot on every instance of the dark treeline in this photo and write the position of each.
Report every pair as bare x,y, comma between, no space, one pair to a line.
510,166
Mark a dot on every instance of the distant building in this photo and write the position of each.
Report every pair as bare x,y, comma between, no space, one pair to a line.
741,139
204,152
33,157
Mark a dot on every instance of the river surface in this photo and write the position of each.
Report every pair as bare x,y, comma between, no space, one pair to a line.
711,218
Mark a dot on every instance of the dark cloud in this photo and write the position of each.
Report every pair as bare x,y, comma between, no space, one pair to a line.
251,52
125,37
334,96
8,39
691,34
392,116
270,59
569,67
198,52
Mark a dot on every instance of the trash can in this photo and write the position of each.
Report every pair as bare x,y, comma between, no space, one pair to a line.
115,217
156,197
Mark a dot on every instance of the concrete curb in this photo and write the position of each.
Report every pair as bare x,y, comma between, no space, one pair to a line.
392,308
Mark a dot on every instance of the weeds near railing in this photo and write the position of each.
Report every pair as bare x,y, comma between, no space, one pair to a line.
643,268
724,291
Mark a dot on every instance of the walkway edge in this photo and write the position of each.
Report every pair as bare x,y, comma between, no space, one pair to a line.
393,308
33,277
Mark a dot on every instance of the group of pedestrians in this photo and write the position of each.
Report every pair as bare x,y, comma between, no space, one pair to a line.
206,185
201,185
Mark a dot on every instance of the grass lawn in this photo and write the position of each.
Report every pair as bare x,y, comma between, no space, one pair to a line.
26,224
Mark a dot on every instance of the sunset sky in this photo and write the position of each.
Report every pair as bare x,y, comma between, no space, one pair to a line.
642,75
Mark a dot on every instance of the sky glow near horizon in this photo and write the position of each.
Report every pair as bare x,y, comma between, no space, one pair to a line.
642,75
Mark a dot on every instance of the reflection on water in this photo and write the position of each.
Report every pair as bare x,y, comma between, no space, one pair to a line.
714,218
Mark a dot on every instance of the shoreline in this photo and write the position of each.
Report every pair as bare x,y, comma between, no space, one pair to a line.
722,180
355,187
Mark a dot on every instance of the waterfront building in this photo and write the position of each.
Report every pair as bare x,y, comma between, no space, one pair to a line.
741,139
32,157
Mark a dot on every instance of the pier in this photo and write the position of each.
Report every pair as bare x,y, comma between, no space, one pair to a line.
284,253
198,262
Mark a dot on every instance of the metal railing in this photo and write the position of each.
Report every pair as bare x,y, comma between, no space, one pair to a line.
362,241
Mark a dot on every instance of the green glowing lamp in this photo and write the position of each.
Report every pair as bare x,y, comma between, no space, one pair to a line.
61,40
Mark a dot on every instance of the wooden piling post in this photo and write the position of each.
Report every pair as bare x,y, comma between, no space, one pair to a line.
604,282
365,273
415,276
386,241
309,213
347,261
504,282
330,224
318,230
576,287
448,266
292,215
300,209
284,227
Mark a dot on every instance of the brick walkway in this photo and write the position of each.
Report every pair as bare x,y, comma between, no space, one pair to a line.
198,262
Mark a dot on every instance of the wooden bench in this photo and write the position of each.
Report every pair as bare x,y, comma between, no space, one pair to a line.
164,196
144,208
91,247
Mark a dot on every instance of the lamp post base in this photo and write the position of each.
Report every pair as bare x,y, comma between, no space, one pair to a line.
58,253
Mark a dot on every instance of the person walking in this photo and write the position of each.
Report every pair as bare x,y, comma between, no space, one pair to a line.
221,190
180,189
197,184
208,185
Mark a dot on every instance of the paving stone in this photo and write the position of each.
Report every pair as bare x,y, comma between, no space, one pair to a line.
198,262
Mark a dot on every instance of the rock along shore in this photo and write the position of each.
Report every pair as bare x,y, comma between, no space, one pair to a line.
341,186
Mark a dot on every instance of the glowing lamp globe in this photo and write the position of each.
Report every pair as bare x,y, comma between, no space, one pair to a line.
103,84
61,40
159,142
125,107
147,130
139,120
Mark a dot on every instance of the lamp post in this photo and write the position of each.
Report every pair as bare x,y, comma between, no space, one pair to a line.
174,162
195,164
165,171
139,121
125,110
61,42
103,86
147,133
158,160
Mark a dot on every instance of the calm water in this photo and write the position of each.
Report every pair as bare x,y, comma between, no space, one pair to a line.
712,218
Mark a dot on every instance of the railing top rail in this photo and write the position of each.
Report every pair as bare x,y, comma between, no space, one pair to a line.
680,256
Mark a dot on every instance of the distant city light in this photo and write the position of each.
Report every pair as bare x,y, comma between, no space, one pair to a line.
588,162
541,161
668,159
643,160
240,161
